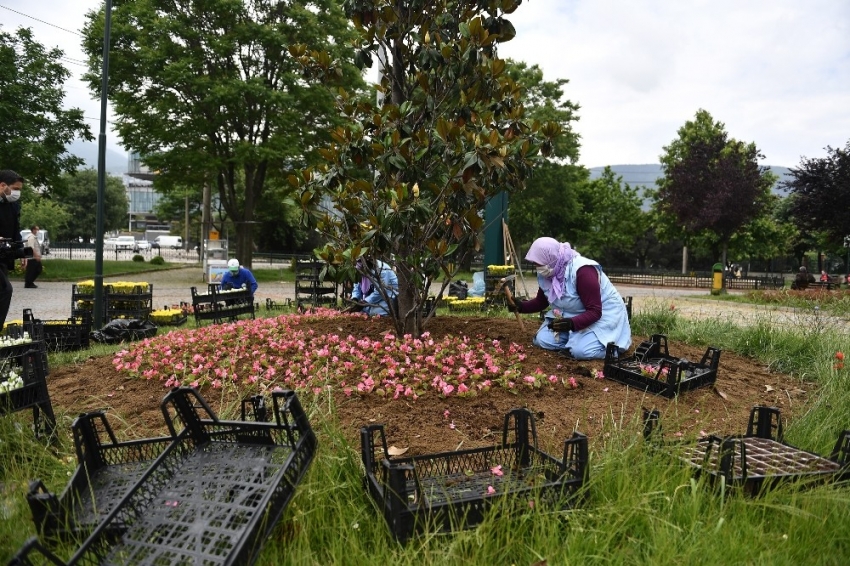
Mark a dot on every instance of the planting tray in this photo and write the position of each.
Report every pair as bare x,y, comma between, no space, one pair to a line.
211,496
760,459
30,360
452,489
219,306
653,370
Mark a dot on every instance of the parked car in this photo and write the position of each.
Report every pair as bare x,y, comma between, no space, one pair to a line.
143,246
127,243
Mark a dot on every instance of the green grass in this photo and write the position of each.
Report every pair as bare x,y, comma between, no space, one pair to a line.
641,507
76,270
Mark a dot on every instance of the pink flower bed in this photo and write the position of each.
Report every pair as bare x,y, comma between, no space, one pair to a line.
282,353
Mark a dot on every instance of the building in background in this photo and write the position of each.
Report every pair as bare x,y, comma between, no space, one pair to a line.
142,197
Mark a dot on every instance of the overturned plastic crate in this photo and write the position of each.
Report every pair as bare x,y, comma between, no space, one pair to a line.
456,489
211,497
23,383
654,370
758,460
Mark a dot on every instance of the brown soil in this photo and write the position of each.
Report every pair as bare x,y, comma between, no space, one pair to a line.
595,408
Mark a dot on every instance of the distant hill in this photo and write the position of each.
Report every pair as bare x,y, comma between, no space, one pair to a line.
116,162
644,176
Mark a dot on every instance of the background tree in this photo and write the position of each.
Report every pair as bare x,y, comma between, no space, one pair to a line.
821,190
406,181
45,213
38,129
206,90
81,204
711,183
612,216
549,204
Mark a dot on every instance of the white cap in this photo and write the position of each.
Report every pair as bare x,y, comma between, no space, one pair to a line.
233,264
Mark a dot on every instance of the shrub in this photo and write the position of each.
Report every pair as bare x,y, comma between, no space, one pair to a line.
138,258
157,260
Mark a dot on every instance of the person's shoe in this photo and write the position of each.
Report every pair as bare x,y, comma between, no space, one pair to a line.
31,286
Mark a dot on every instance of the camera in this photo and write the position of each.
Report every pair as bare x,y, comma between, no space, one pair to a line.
13,249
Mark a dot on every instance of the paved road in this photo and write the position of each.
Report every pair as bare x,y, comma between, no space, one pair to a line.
52,301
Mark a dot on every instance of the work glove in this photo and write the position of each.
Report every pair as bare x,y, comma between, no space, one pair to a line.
512,307
561,325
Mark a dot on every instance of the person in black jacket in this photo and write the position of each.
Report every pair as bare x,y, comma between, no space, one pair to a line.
10,228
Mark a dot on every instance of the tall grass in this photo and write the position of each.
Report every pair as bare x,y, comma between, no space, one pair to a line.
640,505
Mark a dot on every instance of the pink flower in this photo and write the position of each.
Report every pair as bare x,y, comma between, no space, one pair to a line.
446,414
573,383
600,374
452,425
605,390
490,490
497,471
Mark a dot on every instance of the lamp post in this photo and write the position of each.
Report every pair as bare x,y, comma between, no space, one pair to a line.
847,264
101,174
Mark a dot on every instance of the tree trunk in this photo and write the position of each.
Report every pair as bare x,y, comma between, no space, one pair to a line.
245,243
684,260
408,319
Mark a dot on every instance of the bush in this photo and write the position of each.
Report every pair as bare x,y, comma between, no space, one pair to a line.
138,258
157,260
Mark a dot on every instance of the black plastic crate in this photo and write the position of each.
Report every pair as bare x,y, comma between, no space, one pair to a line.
136,304
107,469
654,370
760,459
451,489
29,325
30,361
214,493
218,306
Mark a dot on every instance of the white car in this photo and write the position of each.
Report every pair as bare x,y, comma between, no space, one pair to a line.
143,246
121,243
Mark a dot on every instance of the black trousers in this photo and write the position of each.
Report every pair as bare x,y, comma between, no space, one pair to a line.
5,293
33,271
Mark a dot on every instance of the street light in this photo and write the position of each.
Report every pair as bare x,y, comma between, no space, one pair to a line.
101,173
847,264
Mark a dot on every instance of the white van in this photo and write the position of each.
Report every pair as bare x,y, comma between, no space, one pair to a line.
173,242
43,240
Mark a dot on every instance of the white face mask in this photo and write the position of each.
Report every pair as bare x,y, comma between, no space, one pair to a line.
545,271
15,195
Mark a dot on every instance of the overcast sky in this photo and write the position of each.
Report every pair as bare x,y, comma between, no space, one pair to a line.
776,72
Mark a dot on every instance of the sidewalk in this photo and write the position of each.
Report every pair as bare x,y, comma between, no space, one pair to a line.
52,301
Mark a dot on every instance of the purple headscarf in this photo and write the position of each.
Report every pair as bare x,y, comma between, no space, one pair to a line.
551,252
365,283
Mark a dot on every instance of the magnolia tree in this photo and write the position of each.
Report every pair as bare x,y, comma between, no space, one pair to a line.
406,179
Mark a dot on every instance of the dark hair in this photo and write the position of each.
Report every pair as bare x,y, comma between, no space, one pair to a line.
34,227
9,177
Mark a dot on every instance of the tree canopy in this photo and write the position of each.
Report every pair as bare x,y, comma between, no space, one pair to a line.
206,91
405,181
81,204
821,191
37,129
711,183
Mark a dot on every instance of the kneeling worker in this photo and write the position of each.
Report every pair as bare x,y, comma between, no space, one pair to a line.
368,298
238,277
587,311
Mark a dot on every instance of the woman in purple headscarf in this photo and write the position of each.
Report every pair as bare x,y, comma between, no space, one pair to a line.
587,311
372,297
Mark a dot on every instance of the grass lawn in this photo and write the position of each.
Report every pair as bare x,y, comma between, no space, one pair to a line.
640,507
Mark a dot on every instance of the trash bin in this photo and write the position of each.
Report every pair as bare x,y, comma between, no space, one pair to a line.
717,287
